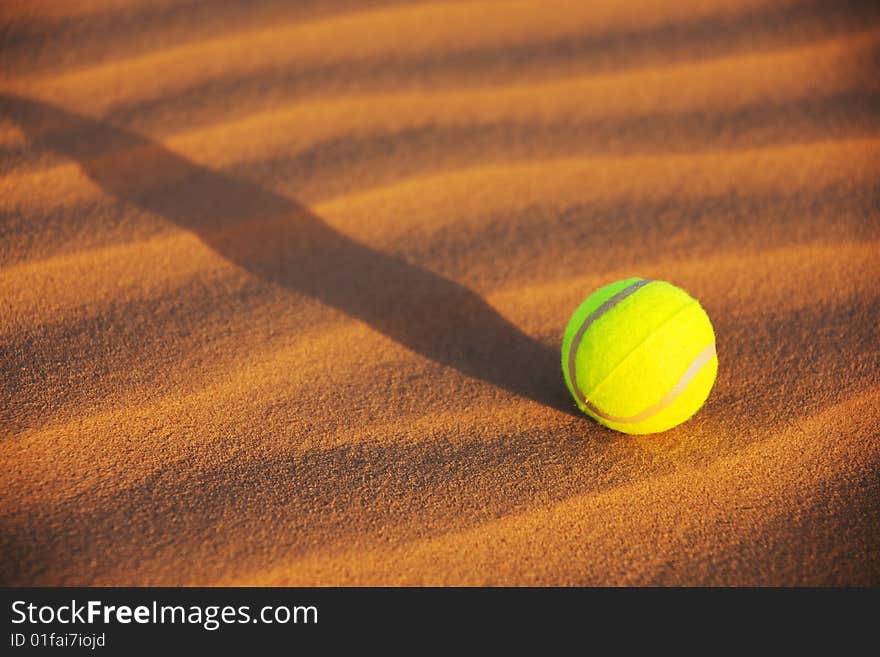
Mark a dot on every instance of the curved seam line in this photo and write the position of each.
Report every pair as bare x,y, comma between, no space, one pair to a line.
706,355
606,306
629,354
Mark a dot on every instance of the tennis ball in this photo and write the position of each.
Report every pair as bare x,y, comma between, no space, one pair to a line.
639,356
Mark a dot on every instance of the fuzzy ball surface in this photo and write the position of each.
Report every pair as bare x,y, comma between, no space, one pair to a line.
639,356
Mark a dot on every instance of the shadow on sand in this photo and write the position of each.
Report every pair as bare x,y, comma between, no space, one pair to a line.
284,243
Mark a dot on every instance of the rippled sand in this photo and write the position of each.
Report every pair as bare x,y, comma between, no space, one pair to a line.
282,288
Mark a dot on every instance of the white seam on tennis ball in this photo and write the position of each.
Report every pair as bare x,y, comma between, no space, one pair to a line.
690,305
592,317
699,362
702,359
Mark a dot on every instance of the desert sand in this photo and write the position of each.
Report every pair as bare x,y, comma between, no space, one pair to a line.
283,286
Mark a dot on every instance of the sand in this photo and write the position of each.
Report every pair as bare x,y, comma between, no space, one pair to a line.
283,285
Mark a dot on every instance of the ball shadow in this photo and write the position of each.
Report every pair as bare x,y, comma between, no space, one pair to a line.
284,243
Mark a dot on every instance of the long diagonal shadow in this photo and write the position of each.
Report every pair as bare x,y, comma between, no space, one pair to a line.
282,242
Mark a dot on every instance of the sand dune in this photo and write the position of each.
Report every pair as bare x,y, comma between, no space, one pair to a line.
282,290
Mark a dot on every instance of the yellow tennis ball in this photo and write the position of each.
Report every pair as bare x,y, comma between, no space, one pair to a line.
639,356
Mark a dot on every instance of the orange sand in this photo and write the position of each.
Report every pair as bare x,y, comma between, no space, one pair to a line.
282,287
